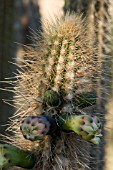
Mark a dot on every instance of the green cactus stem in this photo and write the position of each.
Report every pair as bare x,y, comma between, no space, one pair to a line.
13,156
36,127
52,98
89,127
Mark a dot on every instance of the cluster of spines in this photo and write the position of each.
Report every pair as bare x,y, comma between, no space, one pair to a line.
68,51
62,62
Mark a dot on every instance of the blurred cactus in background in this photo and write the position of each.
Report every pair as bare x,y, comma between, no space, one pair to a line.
100,25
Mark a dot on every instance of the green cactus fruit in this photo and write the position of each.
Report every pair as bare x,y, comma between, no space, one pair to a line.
89,127
13,156
52,98
85,100
35,127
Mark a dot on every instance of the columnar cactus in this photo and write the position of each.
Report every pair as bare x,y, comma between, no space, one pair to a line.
55,78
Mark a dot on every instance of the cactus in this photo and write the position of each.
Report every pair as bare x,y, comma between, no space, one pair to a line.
85,100
13,156
54,78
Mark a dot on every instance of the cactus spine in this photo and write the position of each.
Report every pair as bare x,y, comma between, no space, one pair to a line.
55,75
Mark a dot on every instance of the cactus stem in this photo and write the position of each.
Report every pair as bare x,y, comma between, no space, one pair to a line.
13,156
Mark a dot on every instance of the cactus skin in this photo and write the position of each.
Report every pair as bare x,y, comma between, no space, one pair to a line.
35,127
13,156
89,127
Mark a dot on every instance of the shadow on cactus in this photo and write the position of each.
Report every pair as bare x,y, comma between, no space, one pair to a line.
56,78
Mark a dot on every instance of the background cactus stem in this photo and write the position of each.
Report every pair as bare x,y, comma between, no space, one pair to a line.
12,156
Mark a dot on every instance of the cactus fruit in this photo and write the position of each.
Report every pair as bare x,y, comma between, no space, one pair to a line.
89,127
13,156
53,78
35,127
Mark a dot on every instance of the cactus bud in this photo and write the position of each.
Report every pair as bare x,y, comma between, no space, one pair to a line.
35,127
85,125
52,98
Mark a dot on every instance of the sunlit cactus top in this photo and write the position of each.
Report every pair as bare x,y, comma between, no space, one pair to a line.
62,61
